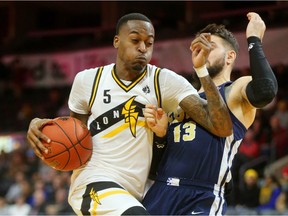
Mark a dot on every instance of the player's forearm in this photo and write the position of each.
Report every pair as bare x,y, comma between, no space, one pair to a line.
263,87
212,114
216,110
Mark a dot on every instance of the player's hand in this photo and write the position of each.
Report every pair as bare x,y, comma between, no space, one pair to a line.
156,119
34,136
201,48
256,26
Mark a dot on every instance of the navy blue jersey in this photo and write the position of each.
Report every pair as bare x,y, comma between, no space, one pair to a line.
197,159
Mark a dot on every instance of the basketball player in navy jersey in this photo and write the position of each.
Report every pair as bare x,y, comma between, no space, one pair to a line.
110,100
196,164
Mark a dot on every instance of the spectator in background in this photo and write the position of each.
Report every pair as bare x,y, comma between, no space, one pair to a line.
261,128
262,134
279,137
282,113
38,202
18,188
19,76
20,208
64,109
248,151
249,191
269,193
55,101
249,147
248,195
60,205
281,73
282,201
25,114
4,208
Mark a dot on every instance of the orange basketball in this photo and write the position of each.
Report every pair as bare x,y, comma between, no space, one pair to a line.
70,146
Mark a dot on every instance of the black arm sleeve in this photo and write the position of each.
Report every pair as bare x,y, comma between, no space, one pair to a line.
159,146
263,87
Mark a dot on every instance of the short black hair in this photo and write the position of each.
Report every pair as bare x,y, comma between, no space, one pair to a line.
221,31
131,16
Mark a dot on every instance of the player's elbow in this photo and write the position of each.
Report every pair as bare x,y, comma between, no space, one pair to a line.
223,128
261,92
225,131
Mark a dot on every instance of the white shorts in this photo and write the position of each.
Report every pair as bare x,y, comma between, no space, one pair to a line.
102,198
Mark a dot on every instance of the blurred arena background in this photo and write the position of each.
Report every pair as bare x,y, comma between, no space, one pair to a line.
45,43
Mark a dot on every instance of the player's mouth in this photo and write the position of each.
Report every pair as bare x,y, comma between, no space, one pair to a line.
141,58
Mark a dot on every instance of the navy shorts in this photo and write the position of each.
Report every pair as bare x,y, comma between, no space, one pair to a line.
165,199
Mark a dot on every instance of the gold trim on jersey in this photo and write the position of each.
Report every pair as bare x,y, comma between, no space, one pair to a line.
104,195
95,87
123,127
156,85
131,85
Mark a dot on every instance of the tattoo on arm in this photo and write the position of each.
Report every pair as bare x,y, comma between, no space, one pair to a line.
212,114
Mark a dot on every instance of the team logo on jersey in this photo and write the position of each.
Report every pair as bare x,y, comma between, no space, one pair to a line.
128,111
146,89
94,196
130,115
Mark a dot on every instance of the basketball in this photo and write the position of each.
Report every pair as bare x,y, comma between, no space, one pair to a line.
70,146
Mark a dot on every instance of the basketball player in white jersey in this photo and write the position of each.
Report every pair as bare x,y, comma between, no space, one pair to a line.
110,100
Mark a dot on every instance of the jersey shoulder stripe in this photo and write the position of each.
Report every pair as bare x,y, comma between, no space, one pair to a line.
95,86
156,85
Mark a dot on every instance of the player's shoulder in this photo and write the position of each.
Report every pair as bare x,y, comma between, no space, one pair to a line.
91,72
162,69
240,82
94,70
235,93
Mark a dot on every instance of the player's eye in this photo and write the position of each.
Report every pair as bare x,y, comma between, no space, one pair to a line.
134,40
149,43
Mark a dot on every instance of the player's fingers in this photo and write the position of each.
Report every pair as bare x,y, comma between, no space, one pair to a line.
149,111
37,127
160,112
150,116
200,45
151,122
36,137
33,140
43,137
151,106
203,38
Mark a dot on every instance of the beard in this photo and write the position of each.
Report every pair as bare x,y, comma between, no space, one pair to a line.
216,68
213,71
138,68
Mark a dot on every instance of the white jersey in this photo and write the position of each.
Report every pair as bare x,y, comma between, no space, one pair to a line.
122,143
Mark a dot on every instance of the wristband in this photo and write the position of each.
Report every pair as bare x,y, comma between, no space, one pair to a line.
201,71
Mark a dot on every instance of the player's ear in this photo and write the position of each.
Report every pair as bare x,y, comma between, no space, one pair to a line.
230,57
116,41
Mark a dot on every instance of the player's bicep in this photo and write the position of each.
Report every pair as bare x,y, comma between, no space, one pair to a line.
82,117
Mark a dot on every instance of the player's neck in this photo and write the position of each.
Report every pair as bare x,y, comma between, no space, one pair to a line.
218,80
126,74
